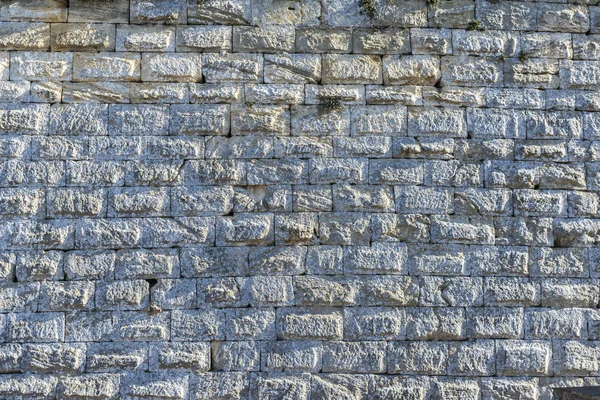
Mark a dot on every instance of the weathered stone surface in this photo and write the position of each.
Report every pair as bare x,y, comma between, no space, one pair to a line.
142,38
239,67
168,12
419,70
292,68
203,38
82,37
106,67
24,36
281,199
171,68
116,11
351,69
267,40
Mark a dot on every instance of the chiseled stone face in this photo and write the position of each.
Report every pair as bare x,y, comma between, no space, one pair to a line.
299,199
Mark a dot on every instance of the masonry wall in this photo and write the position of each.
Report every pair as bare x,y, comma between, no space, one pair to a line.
273,199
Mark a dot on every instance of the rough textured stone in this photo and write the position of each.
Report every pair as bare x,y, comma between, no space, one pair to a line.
298,199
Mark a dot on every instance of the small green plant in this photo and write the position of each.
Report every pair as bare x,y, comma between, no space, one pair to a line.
368,7
433,3
249,104
475,25
523,56
333,104
502,57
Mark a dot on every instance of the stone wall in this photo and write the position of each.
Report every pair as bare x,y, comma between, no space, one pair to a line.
273,199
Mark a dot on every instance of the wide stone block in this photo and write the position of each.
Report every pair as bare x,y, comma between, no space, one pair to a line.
24,36
227,12
82,37
210,119
388,258
166,11
270,39
351,69
35,66
355,357
422,70
292,68
238,67
99,11
94,67
171,67
471,71
145,38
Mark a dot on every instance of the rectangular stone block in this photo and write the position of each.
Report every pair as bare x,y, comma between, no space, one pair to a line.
260,120
171,67
93,67
168,12
388,258
403,172
407,358
422,70
210,119
319,40
435,121
34,66
355,357
432,41
292,68
238,67
471,71
88,92
24,36
351,69
228,12
537,73
319,121
269,39
245,230
524,358
374,41
99,11
204,38
145,38
82,37
332,170
485,43
463,230
519,16
344,229
563,18
495,323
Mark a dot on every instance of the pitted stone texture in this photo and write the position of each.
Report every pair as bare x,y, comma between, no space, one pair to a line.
299,199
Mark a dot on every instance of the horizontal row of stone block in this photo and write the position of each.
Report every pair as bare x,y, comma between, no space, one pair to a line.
277,39
324,264
476,358
297,120
296,171
542,16
252,151
286,291
306,201
258,229
367,324
258,94
263,386
349,69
